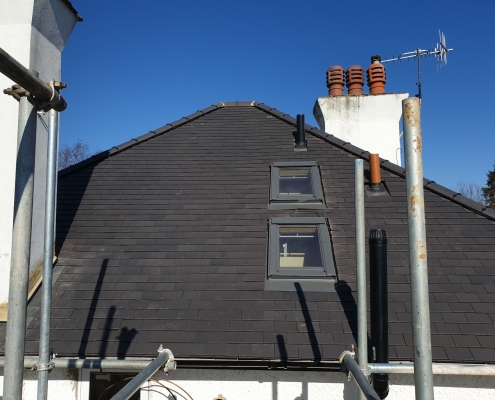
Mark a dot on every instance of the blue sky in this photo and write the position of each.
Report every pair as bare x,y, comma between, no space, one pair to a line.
132,67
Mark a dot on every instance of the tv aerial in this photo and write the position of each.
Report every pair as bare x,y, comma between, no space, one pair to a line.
439,52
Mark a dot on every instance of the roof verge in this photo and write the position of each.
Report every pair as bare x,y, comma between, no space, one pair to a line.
429,185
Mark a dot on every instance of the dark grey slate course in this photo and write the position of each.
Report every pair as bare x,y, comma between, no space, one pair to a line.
163,240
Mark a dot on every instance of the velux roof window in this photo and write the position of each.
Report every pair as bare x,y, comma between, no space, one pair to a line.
295,185
299,248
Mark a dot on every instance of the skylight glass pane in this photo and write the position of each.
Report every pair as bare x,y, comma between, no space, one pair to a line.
295,181
299,246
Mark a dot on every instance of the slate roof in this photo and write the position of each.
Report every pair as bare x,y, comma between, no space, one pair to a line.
164,240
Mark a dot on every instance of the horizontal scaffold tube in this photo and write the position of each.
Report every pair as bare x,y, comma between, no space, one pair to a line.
88,363
14,70
392,368
438,369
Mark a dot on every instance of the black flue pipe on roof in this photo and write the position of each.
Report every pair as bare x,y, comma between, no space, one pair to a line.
301,135
379,306
14,70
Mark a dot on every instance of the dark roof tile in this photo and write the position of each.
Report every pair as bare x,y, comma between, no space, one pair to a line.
459,354
185,241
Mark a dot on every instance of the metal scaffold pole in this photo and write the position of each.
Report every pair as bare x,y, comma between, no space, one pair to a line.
413,151
165,357
365,389
44,364
14,70
33,94
362,323
21,246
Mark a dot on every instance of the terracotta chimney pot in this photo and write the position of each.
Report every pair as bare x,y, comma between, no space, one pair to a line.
376,76
354,79
335,80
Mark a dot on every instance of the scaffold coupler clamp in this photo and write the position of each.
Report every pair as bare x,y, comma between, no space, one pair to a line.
170,365
343,365
45,367
16,91
56,86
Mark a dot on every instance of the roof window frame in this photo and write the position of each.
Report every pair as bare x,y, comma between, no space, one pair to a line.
309,201
327,271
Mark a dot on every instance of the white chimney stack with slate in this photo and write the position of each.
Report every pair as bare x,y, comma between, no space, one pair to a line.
369,121
34,32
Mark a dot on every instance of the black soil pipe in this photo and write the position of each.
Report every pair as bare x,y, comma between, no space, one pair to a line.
379,306
301,138
14,70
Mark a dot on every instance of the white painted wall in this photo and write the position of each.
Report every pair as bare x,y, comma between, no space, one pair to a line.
34,32
370,122
292,385
206,384
62,385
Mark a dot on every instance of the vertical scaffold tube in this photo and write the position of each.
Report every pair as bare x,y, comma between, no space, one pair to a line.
46,300
413,151
361,271
21,247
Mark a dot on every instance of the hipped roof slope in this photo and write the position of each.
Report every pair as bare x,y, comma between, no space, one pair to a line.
164,240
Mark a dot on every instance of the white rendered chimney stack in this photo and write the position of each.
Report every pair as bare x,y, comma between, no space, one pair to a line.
368,121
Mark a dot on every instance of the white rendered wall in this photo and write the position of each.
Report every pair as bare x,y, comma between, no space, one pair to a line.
34,32
292,385
370,122
62,385
207,384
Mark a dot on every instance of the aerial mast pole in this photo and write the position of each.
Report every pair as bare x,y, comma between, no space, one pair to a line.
440,52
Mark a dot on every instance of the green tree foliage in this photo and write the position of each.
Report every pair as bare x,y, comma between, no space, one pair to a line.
489,190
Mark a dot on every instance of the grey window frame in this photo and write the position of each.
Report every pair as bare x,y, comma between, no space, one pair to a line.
328,269
315,200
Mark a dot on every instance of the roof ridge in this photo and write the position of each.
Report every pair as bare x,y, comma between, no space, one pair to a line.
151,134
428,184
140,139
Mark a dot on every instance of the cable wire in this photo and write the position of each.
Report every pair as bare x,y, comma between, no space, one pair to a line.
157,380
166,380
162,385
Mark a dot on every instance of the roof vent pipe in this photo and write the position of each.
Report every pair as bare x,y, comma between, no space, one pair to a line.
379,306
335,80
376,178
300,144
376,75
354,79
